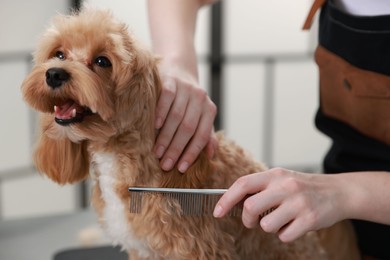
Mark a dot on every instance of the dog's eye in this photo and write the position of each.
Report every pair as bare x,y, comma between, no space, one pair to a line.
60,55
103,62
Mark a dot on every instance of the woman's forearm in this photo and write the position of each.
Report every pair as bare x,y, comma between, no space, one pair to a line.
172,27
367,195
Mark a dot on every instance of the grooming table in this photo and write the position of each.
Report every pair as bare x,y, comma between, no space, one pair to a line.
103,253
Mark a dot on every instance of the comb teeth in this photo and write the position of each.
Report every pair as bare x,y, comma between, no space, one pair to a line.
188,202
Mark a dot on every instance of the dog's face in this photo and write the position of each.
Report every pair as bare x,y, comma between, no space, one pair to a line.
90,78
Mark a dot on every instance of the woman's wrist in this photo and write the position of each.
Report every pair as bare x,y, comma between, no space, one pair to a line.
177,62
364,195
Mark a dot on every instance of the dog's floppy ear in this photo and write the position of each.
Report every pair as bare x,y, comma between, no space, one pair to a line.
61,160
137,82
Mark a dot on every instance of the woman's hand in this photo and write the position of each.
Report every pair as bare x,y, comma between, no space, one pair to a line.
300,202
184,116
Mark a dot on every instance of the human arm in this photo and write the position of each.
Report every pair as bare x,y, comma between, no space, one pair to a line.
184,114
305,202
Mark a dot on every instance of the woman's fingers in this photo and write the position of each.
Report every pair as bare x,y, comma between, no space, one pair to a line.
246,185
200,138
170,141
165,101
186,124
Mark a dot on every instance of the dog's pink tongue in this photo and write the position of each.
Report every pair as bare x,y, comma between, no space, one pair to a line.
67,110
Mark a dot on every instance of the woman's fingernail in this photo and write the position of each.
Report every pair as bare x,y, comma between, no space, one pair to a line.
160,151
217,211
167,164
183,167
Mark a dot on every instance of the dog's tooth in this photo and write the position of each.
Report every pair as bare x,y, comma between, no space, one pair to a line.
74,112
55,109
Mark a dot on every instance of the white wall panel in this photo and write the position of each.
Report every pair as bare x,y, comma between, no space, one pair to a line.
23,21
244,106
296,140
14,125
131,12
36,196
254,26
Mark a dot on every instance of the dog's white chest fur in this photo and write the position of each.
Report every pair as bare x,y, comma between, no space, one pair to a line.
114,212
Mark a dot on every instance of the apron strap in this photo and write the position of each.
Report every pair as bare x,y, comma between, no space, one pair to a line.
314,8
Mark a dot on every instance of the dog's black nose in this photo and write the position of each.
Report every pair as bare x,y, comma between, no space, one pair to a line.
55,77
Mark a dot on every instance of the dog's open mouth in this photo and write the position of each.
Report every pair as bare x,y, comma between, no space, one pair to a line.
70,112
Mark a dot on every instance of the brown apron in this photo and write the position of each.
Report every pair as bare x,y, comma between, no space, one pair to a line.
359,98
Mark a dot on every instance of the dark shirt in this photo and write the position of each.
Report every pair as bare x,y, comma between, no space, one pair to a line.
365,43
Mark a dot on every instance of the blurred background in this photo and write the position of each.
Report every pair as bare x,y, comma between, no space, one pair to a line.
254,60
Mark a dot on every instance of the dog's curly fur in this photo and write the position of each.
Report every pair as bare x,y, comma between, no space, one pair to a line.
104,86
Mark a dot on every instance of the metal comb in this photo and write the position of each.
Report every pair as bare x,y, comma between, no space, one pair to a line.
193,202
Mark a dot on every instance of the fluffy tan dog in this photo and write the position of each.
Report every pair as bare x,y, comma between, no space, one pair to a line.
96,89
